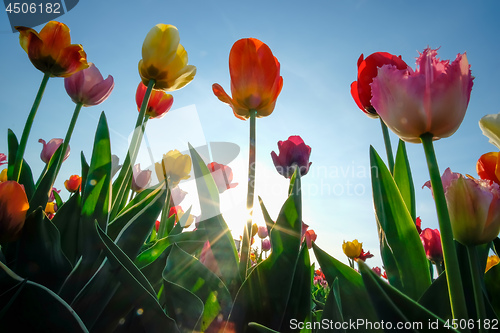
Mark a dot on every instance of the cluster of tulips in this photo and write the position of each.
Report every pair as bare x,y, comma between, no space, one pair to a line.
118,256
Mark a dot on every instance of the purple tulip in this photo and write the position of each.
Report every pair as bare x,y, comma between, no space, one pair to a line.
88,86
49,148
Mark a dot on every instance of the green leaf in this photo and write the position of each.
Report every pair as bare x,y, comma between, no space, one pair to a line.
491,279
399,229
26,176
120,275
267,218
57,199
299,303
352,295
333,308
212,222
136,231
152,253
85,172
39,254
94,206
95,197
30,307
264,295
394,307
404,179
41,195
186,271
134,207
260,328
436,298
184,307
67,221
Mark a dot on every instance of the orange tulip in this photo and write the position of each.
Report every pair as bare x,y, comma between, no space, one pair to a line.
13,207
51,50
255,79
488,167
73,183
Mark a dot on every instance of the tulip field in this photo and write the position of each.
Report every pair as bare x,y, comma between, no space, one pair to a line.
117,252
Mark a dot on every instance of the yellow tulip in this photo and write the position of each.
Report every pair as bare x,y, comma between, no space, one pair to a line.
492,261
3,176
490,125
352,249
165,60
175,166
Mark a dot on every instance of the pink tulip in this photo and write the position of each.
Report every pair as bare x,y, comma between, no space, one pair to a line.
3,159
432,99
474,207
431,240
223,176
266,245
140,179
88,86
49,148
262,232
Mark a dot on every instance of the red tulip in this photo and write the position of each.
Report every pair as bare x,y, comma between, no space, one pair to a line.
431,240
222,175
310,237
159,102
255,79
292,153
361,90
3,159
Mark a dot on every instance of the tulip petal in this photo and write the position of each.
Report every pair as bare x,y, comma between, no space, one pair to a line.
490,125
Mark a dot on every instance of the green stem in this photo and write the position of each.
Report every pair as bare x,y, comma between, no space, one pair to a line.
245,246
67,138
27,128
162,230
388,146
455,287
476,284
125,174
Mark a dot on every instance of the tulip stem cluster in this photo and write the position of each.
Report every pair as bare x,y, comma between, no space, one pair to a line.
455,287
245,247
126,171
476,284
27,128
388,146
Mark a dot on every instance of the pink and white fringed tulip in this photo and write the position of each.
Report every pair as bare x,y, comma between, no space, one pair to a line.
432,99
88,86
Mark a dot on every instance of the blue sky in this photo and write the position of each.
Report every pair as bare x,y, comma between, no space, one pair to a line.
317,44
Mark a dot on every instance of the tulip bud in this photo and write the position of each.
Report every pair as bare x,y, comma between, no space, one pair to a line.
352,249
